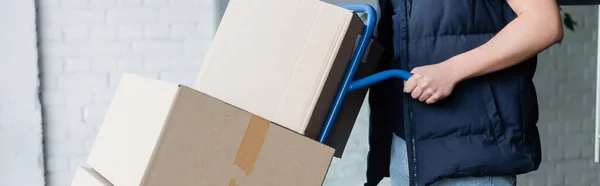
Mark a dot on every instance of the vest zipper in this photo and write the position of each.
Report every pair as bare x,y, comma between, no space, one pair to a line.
413,164
409,7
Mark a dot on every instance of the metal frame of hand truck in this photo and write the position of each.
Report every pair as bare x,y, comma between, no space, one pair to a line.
347,84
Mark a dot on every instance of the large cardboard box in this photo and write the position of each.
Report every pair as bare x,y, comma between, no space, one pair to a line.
284,61
158,133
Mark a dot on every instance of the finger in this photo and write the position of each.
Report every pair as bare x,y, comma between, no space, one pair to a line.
416,93
411,84
434,98
426,95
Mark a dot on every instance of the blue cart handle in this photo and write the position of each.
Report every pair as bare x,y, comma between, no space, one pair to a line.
357,56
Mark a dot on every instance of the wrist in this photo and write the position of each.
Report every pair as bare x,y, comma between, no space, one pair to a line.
457,67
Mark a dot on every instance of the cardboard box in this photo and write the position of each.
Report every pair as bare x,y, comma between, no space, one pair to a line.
86,176
284,61
158,133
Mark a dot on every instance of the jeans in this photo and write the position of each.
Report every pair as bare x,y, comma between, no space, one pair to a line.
399,171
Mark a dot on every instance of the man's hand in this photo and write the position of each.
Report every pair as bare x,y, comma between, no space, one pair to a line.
431,83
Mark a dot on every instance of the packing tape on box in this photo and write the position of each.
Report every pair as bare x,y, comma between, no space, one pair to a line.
232,183
251,145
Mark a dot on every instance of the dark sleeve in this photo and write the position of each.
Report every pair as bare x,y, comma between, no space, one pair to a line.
380,130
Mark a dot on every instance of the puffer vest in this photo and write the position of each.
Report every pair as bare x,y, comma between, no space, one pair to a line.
486,127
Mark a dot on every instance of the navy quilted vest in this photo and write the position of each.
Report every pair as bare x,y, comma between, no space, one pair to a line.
486,127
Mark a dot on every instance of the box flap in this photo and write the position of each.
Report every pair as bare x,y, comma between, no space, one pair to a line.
131,129
199,143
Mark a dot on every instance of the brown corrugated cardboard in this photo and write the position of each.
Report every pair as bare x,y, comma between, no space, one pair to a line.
86,176
158,133
284,61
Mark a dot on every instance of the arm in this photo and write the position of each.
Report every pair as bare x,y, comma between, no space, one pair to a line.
537,27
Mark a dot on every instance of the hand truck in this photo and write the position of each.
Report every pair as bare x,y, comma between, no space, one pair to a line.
347,84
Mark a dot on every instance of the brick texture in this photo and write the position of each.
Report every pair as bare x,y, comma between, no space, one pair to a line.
86,46
566,86
21,150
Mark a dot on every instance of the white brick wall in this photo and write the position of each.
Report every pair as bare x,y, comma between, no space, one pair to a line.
87,45
21,151
566,85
